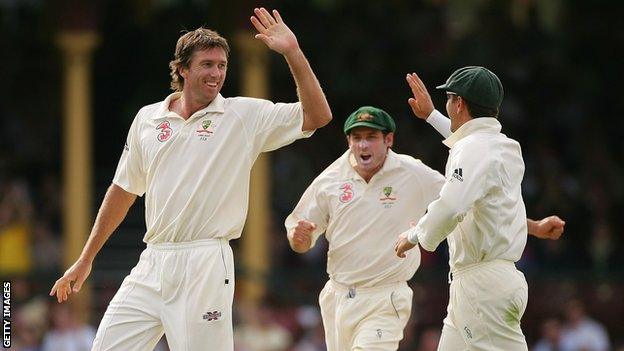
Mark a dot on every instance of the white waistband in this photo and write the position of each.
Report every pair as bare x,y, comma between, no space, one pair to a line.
347,289
187,244
456,272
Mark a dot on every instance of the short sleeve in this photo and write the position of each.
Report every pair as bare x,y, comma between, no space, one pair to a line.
130,174
311,207
279,124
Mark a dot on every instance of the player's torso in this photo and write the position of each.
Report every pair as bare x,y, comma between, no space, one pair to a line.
365,221
197,175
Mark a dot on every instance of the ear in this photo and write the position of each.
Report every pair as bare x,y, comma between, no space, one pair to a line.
183,71
389,139
348,140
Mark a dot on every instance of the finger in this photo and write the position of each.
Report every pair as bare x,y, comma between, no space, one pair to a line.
259,27
78,284
262,16
54,287
265,39
268,16
419,83
413,104
412,84
277,16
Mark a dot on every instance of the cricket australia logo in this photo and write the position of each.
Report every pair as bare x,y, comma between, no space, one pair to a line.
347,192
212,316
388,196
207,129
458,174
364,117
165,131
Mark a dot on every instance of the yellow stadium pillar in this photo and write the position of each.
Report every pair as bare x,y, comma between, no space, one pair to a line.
77,48
253,55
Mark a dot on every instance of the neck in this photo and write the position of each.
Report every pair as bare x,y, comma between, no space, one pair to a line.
185,106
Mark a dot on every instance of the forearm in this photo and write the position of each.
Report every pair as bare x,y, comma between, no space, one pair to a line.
440,122
113,210
532,226
316,109
434,226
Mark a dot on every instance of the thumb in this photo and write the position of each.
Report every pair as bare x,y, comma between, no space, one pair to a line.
78,284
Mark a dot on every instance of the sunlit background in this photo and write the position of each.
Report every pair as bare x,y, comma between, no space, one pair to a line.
74,73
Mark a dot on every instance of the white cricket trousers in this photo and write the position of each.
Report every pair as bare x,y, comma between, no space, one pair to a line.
183,290
486,302
368,319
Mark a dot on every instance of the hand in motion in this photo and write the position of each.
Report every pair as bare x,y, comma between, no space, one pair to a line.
403,245
421,103
549,228
274,32
77,274
301,237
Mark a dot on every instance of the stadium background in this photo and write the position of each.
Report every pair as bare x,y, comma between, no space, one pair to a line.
558,60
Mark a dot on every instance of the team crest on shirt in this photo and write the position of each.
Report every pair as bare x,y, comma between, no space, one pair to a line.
346,194
388,196
165,131
207,127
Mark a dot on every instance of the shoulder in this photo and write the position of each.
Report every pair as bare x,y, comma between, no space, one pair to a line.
242,102
415,166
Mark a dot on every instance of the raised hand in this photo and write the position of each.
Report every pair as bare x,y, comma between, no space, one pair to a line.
273,31
77,274
421,103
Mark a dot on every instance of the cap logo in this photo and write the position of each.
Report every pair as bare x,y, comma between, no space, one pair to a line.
364,117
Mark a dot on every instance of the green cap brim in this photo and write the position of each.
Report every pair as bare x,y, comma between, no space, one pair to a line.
365,124
443,86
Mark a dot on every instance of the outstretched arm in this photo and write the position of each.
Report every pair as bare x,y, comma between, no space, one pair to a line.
113,210
277,36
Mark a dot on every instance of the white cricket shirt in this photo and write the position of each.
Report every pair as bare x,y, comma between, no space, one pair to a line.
480,207
195,173
362,220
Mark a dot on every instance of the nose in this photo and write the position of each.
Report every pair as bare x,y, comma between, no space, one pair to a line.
363,144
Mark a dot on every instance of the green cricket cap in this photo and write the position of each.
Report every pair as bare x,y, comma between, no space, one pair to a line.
372,117
476,84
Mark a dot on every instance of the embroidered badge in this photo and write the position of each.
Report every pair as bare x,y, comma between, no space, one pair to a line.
364,117
388,196
165,131
207,129
347,192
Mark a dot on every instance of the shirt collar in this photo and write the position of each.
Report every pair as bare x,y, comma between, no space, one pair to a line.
216,106
348,163
481,124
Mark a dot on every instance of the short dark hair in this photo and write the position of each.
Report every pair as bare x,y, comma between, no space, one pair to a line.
477,110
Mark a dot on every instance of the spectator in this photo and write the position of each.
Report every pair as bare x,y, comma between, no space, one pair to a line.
66,333
551,336
581,333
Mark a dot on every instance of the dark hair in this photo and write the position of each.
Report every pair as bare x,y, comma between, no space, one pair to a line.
477,110
199,39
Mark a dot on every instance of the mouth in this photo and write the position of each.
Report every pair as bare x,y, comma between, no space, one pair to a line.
365,158
211,84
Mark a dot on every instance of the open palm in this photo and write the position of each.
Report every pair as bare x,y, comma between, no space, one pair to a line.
274,32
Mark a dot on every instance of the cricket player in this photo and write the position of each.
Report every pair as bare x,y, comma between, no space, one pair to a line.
358,202
191,156
481,214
